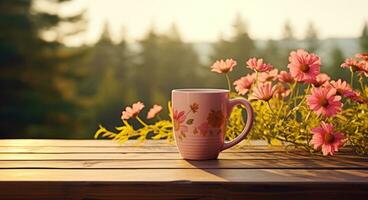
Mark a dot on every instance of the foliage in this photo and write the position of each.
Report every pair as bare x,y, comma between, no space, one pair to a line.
37,76
363,40
286,117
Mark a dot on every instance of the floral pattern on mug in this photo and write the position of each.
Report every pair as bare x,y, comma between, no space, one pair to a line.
215,119
179,119
212,125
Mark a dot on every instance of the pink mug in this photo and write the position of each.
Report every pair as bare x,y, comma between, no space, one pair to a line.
199,121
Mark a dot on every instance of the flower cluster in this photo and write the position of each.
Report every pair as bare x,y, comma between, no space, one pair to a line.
303,106
298,106
158,130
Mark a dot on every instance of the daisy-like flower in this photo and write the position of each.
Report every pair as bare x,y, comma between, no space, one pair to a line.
327,139
321,79
263,91
363,56
281,91
243,85
363,67
324,101
179,119
351,63
342,88
222,66
285,77
154,111
304,66
268,76
131,112
355,96
258,65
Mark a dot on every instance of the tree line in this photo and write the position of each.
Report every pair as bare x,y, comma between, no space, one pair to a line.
49,90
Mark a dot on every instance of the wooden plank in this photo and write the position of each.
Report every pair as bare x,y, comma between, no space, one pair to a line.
184,164
188,175
130,149
181,190
78,143
173,155
97,143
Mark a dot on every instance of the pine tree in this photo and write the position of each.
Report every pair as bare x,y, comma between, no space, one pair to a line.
363,40
38,85
311,38
239,47
146,71
287,43
288,31
271,53
179,61
334,69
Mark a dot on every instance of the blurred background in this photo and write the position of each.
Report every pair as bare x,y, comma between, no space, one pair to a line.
68,65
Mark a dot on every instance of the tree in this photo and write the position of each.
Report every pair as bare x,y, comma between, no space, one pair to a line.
334,69
363,40
287,43
288,31
179,61
311,38
239,47
37,86
146,70
271,53
165,63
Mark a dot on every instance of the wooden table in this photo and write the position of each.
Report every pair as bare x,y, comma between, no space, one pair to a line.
101,169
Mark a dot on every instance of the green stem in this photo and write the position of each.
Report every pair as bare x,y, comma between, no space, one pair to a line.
361,83
141,121
228,82
351,77
269,106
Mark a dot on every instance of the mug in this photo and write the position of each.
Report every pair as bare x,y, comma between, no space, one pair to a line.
199,119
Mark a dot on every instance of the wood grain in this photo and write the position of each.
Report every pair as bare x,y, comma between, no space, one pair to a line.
173,155
183,164
186,175
101,169
180,191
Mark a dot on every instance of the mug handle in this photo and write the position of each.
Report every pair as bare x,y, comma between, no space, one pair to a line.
248,124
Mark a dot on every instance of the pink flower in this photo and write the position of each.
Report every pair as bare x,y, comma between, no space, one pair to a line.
179,119
363,56
281,91
204,128
222,66
268,76
324,101
285,77
133,111
258,65
243,85
342,88
154,111
304,66
321,79
350,62
264,91
363,67
324,137
355,96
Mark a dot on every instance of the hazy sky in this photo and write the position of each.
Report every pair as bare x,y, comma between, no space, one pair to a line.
206,20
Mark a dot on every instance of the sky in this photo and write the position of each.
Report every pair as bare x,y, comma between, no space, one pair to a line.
207,20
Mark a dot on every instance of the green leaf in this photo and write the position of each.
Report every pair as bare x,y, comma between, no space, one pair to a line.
190,121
